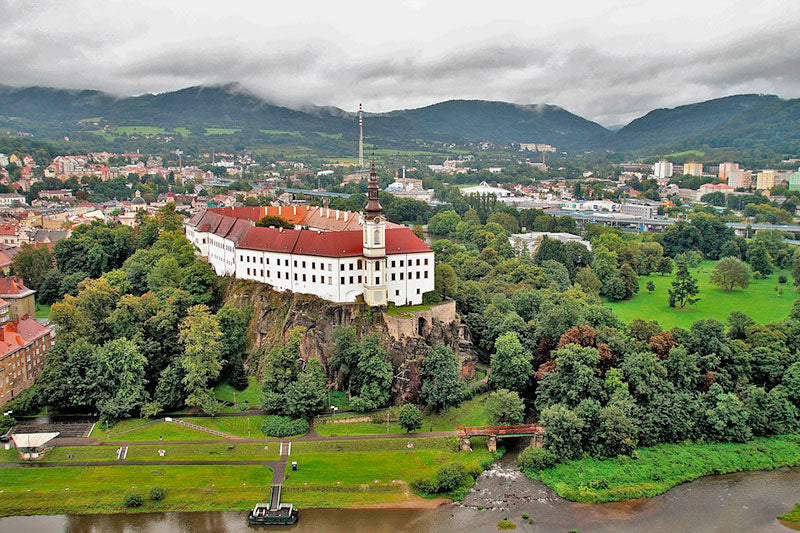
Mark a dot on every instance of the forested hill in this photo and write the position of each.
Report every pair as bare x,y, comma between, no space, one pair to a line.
742,122
230,107
700,122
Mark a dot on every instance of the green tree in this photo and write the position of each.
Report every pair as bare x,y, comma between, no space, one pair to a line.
200,281
759,259
121,378
650,286
576,377
505,407
725,416
444,223
587,280
273,221
373,377
306,397
201,338
165,273
684,288
439,374
664,265
233,324
446,282
32,264
409,417
563,432
511,364
730,272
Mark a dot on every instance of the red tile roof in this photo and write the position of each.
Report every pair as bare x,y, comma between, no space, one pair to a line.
402,240
12,285
269,239
326,244
16,335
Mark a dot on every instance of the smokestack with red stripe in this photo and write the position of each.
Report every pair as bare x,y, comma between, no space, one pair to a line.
360,137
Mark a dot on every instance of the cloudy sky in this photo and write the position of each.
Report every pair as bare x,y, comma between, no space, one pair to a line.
607,60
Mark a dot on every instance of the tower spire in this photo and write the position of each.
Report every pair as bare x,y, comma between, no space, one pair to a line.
373,208
360,137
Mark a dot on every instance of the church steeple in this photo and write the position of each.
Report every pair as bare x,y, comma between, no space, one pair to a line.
373,208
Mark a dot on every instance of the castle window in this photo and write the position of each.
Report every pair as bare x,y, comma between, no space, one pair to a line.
359,279
377,236
313,278
304,277
393,276
401,262
426,274
342,281
351,280
417,262
359,264
401,276
393,263
377,266
426,261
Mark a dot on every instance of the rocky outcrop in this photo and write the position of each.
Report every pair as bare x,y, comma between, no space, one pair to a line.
407,338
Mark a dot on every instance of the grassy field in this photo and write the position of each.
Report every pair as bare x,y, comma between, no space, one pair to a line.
140,130
174,452
281,132
469,413
250,397
760,300
241,426
330,474
402,310
330,135
183,131
101,489
136,429
42,310
657,469
793,516
222,131
687,153
333,474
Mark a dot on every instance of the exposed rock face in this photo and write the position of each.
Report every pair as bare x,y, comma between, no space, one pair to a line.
406,338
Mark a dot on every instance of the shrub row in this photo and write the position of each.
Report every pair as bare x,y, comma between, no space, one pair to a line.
282,426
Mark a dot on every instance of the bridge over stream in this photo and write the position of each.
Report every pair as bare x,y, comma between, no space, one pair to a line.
534,431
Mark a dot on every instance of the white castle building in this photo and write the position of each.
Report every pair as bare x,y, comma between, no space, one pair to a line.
339,256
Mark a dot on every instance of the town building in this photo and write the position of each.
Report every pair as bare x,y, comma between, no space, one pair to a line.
20,298
662,169
738,178
794,181
11,198
532,240
335,255
765,179
725,170
640,209
23,345
484,189
693,168
410,188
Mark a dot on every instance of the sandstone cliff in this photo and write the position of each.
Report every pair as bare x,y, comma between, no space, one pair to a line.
406,338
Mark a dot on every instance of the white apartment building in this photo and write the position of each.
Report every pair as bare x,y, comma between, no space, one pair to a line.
662,169
334,255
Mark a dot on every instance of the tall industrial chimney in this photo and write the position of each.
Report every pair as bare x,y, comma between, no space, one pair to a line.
360,137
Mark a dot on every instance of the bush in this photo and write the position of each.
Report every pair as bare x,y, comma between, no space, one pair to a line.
157,494
532,459
448,477
133,499
282,426
781,279
505,523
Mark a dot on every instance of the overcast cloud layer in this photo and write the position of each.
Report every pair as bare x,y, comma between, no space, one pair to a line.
609,60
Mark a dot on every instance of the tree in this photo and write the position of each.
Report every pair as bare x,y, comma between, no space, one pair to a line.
202,354
50,288
505,407
511,363
664,265
233,324
563,432
650,286
306,397
121,378
200,281
684,288
576,377
439,374
409,418
730,272
725,416
373,376
446,282
759,259
587,280
274,221
444,223
165,273
32,264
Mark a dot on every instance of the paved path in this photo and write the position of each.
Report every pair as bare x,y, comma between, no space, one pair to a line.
275,465
308,437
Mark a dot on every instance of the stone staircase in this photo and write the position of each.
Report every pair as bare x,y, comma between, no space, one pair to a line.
64,429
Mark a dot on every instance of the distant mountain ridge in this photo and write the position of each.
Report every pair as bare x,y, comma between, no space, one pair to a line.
747,120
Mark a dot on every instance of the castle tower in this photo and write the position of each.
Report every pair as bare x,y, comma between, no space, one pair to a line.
374,245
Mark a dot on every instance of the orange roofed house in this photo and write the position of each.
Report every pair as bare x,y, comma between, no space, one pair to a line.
339,256
23,344
20,297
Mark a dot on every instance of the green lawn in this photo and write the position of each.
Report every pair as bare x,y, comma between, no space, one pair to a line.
469,413
687,153
332,474
395,311
250,397
101,489
657,469
135,429
340,400
760,300
330,135
222,131
42,310
183,131
233,425
140,130
281,132
793,516
174,452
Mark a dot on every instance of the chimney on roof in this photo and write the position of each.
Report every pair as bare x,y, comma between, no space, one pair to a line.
294,209
345,215
337,214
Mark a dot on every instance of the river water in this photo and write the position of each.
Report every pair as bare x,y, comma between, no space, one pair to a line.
731,503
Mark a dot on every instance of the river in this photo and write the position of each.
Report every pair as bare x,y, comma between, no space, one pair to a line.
730,503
